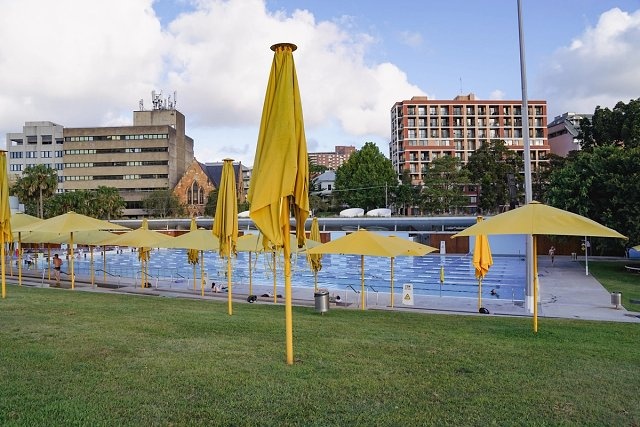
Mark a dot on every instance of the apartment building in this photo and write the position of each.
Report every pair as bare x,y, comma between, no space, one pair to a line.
564,133
332,160
39,143
423,129
152,154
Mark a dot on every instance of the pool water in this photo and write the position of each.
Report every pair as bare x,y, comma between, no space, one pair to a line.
169,268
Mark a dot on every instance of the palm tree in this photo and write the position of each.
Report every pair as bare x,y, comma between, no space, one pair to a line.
109,203
36,184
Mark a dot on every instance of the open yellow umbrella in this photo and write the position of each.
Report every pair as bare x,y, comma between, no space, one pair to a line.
280,174
5,215
70,223
315,260
225,223
144,239
482,261
367,243
20,221
254,243
195,240
536,218
410,248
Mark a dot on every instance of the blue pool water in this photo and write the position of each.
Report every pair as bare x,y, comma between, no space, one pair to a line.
169,268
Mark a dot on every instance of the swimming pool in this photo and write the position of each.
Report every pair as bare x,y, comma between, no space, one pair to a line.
169,268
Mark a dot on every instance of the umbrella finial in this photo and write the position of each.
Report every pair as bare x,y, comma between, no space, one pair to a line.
277,46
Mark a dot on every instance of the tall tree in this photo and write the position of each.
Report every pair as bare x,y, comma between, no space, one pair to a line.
619,127
602,184
366,180
497,169
108,202
36,184
444,182
163,204
406,195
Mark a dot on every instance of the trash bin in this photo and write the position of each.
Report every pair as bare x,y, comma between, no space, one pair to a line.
321,297
616,299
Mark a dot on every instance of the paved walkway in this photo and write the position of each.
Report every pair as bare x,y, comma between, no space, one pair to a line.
565,292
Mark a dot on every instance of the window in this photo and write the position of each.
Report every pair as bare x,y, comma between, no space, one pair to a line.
16,155
506,110
46,154
411,122
31,154
470,110
457,110
422,133
46,139
15,168
433,122
411,133
444,110
433,110
58,154
422,111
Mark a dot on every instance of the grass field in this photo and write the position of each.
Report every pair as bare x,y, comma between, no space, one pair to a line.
82,358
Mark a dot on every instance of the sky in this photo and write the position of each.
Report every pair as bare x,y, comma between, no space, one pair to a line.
90,63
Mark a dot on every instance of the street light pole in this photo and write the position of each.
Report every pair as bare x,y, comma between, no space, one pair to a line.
527,161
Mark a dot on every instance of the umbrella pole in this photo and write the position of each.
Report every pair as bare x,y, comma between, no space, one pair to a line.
11,262
479,292
49,259
535,284
73,282
250,277
4,284
229,284
92,273
287,284
361,282
194,277
19,260
315,281
391,282
201,273
104,263
275,281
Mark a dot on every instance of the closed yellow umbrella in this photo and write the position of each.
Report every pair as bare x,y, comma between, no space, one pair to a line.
315,260
5,215
192,256
280,175
536,218
225,223
482,260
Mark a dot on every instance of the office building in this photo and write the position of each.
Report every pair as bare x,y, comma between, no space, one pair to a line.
39,143
423,129
153,154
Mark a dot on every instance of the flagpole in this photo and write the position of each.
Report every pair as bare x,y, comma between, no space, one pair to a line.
288,314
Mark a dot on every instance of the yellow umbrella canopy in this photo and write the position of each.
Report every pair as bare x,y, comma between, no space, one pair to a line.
280,174
255,243
5,215
198,240
281,167
141,237
536,218
20,220
225,223
637,248
482,260
367,243
69,223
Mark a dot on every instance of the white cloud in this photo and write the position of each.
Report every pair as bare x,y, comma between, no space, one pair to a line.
600,67
88,63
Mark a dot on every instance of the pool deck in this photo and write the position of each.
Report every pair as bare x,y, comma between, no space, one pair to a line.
565,292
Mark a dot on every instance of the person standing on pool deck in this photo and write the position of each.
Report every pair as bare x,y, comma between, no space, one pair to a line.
552,254
57,263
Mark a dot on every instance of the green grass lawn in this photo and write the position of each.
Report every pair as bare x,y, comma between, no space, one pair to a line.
81,358
615,278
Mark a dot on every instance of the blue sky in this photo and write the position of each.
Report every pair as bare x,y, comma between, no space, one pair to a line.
89,63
